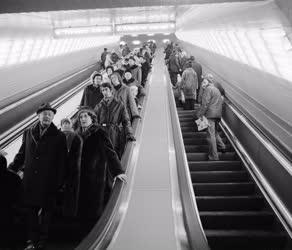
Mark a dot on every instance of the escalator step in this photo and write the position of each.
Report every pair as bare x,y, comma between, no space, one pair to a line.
224,189
204,156
200,141
237,220
198,134
204,148
219,176
230,203
214,165
245,240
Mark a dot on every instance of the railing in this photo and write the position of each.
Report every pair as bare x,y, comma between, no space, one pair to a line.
269,168
17,130
193,226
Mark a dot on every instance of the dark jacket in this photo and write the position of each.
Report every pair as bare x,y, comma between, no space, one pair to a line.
97,155
72,176
103,56
173,63
91,96
198,69
136,73
211,103
123,93
126,51
141,90
145,67
43,158
111,116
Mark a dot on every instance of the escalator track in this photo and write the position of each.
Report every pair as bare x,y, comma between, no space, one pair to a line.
233,211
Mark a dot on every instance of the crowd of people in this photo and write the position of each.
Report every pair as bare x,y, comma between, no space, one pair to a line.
70,170
191,87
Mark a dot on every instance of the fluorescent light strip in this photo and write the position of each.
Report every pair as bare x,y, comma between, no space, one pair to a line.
83,30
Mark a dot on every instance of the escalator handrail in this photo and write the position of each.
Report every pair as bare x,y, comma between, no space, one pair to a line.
196,236
38,92
102,233
16,131
277,205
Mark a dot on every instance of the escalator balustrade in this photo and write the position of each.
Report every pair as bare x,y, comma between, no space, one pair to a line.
233,212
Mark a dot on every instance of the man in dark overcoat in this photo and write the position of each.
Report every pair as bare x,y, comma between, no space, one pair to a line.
42,157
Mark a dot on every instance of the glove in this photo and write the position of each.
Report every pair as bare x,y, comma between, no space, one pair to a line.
131,138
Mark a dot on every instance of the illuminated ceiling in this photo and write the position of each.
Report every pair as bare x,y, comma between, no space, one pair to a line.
16,6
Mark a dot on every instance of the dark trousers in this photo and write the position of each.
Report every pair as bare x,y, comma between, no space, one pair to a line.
38,222
189,104
173,77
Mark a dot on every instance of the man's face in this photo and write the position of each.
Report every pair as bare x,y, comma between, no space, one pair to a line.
205,83
115,80
131,62
66,126
109,71
134,91
46,117
128,75
106,92
97,80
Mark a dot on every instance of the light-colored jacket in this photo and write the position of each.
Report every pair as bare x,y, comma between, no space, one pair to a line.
189,83
211,102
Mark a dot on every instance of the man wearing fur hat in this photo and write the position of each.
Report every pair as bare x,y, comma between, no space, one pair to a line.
42,156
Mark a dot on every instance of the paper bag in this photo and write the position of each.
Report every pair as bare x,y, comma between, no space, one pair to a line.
202,124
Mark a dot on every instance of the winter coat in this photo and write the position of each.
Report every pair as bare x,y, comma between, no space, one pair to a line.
114,57
103,56
217,85
125,51
141,90
189,83
183,62
91,96
111,116
123,93
145,67
136,73
44,159
173,63
72,173
211,102
108,60
198,69
97,157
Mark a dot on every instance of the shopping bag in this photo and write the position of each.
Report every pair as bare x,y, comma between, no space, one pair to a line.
202,123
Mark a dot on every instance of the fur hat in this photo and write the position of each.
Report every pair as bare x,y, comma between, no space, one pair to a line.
45,106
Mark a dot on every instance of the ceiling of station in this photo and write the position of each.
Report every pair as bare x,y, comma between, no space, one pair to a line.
16,6
162,16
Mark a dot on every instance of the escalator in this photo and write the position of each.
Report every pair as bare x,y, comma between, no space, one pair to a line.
234,213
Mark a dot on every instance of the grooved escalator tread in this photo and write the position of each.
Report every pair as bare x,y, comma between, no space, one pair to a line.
224,189
234,214
245,240
214,165
219,176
